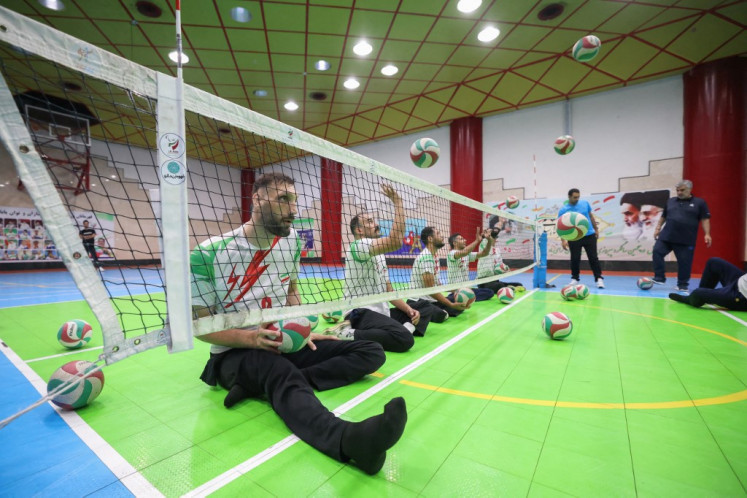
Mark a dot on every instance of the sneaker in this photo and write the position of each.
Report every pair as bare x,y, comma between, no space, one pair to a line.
573,282
101,268
600,283
681,288
519,288
658,282
342,331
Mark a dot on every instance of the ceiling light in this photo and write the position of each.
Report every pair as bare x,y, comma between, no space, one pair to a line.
362,48
291,106
240,14
173,57
148,9
351,84
52,4
321,65
468,6
260,93
389,70
488,34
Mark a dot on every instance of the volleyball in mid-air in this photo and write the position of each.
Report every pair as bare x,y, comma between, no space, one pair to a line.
424,152
80,394
582,292
645,283
505,295
564,144
464,296
512,202
74,334
568,292
572,226
586,48
294,334
313,321
501,268
557,325
333,316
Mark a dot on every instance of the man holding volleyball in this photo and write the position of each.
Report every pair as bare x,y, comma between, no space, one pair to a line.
588,243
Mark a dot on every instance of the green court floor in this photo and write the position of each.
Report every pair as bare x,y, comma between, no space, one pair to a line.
647,397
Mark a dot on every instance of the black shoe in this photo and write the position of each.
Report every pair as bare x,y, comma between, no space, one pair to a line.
678,297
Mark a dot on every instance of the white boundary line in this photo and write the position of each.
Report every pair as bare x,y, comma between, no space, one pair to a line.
126,473
225,478
64,354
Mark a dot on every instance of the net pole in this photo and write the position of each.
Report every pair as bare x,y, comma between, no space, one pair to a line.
540,239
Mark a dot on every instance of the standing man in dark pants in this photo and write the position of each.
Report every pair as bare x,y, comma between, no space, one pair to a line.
587,243
680,233
731,295
88,236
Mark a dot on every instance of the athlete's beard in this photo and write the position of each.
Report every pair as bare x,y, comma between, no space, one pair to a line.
274,224
439,245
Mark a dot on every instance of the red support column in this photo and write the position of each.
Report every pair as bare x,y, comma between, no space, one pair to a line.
331,236
466,174
247,185
714,145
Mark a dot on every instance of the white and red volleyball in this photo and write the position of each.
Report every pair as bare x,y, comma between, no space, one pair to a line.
74,334
81,393
568,293
294,334
557,325
572,226
424,152
564,144
512,202
582,291
586,48
464,296
645,283
505,295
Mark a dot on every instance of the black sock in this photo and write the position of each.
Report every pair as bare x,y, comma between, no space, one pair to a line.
236,394
366,442
679,298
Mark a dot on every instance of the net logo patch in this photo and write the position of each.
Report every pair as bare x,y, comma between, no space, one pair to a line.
173,172
171,145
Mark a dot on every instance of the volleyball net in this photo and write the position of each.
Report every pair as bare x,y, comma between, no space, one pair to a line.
95,137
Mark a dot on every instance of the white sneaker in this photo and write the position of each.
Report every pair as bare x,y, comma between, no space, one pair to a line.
573,282
342,331
101,268
409,326
600,283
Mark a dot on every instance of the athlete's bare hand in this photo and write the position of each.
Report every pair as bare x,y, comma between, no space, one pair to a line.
320,337
390,192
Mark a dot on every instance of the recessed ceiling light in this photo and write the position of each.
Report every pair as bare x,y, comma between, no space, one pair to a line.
291,106
52,4
488,34
260,93
362,48
148,9
468,6
240,14
173,57
351,84
321,65
389,70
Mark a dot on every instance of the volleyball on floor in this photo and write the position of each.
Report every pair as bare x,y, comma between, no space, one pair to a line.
74,334
645,283
586,48
564,144
501,268
512,202
568,292
505,295
294,334
424,152
313,321
464,296
557,325
572,226
80,394
332,316
582,292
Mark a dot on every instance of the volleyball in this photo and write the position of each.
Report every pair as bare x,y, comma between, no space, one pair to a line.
464,296
586,48
74,334
333,316
78,395
556,325
568,292
572,226
512,202
645,283
313,321
582,292
501,268
564,144
294,334
505,295
424,152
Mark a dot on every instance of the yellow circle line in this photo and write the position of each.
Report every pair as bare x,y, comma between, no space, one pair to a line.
661,405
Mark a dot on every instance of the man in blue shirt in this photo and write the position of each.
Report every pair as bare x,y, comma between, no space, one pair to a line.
680,219
588,243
